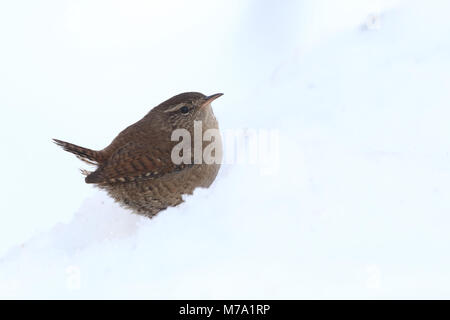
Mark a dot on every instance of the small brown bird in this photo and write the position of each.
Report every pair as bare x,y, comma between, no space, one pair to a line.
137,168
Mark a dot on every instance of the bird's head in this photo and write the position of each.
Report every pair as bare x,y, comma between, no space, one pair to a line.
183,109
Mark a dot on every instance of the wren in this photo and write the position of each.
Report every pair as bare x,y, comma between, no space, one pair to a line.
137,168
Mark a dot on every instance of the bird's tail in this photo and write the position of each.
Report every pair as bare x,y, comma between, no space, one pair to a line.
85,154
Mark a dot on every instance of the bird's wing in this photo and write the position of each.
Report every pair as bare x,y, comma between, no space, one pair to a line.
133,162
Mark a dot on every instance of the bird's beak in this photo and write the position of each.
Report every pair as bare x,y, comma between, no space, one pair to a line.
211,98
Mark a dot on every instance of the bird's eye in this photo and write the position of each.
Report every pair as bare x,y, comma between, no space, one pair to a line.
184,109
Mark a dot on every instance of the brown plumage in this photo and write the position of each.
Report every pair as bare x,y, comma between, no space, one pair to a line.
137,170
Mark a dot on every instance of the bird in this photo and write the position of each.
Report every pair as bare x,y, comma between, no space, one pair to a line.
137,169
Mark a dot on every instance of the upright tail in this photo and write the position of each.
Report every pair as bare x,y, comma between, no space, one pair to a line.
85,154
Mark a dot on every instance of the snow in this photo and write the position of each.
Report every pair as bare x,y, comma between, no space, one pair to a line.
356,91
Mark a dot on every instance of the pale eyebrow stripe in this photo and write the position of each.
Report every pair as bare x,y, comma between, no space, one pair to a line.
178,106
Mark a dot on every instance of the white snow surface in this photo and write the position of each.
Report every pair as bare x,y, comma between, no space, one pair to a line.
358,92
